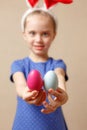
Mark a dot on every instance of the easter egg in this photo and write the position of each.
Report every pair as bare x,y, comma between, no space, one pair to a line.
34,80
50,80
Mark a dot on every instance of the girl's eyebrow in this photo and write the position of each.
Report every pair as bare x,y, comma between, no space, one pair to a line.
36,31
31,30
46,30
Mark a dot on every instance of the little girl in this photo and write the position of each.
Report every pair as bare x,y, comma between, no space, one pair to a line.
35,109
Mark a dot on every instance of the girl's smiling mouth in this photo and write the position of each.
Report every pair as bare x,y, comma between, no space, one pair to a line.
39,47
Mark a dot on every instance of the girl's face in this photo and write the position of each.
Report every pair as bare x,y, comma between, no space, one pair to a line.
39,34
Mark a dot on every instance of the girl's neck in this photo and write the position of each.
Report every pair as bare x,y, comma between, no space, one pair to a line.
38,58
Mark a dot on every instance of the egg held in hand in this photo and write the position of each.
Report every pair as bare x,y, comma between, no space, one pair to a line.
50,80
34,80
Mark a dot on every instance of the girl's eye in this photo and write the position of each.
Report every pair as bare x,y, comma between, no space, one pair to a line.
45,34
32,33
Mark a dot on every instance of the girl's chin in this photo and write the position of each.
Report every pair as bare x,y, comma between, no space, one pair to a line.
39,52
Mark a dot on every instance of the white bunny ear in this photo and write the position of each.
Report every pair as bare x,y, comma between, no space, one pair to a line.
31,3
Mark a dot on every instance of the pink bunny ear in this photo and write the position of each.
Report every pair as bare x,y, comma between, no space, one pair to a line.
32,2
50,3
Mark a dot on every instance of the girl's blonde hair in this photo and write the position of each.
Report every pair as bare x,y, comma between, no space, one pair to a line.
38,12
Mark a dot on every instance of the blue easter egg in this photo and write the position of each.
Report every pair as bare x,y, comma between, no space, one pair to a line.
50,80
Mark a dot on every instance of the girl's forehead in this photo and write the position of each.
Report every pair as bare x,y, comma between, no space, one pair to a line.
38,17
39,24
42,19
35,19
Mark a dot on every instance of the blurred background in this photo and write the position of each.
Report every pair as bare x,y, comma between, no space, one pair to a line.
70,45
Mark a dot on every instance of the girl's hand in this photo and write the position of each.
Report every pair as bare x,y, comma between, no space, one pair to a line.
34,97
60,98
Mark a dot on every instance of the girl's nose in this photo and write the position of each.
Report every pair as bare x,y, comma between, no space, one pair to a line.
38,38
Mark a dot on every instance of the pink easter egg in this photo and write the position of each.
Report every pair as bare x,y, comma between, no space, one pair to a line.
34,80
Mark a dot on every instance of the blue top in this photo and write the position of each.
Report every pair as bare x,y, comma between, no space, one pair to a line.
29,117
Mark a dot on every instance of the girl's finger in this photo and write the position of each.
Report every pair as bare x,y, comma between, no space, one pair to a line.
46,111
55,93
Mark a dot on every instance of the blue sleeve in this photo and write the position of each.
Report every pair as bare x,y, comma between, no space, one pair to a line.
60,64
17,66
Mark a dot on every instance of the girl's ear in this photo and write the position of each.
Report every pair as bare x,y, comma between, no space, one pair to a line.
24,36
54,35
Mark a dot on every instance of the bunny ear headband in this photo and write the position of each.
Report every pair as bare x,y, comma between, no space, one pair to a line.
48,5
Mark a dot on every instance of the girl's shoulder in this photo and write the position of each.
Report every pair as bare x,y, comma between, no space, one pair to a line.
19,64
21,61
57,61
